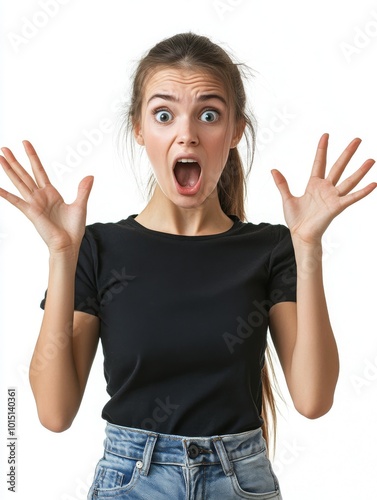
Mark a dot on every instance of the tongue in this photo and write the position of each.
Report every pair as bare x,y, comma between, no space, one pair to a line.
187,174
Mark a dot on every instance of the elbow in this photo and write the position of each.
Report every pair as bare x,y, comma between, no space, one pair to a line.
314,402
54,420
54,424
314,410
54,415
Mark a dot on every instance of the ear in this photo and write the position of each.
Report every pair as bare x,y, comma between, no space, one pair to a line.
238,133
137,134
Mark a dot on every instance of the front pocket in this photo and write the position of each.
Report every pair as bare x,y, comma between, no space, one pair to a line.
109,478
253,478
111,483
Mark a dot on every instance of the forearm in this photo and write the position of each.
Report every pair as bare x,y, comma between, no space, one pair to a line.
53,375
315,361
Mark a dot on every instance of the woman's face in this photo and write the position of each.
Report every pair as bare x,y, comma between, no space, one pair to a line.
187,127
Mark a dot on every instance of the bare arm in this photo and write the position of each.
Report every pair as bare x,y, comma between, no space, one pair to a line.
64,351
302,333
304,339
68,340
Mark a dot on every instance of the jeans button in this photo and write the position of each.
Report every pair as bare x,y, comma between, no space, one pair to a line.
193,451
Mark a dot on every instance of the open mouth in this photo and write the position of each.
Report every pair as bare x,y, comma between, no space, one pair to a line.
187,172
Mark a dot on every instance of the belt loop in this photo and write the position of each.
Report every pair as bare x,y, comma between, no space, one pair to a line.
221,451
147,455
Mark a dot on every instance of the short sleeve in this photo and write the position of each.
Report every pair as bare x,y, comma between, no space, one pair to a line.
86,293
282,269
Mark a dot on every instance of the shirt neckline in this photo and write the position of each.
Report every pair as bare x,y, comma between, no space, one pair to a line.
135,224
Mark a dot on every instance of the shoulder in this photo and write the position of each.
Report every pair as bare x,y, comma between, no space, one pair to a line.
101,237
273,233
100,230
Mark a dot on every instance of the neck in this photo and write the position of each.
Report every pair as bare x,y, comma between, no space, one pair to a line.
161,214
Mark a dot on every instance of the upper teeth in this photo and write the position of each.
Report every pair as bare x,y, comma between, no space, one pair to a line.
186,160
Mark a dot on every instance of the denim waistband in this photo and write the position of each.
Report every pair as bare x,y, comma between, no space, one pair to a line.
151,447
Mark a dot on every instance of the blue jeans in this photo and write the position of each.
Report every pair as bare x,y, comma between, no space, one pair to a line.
144,465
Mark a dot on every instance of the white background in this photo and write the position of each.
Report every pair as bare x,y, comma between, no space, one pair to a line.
315,65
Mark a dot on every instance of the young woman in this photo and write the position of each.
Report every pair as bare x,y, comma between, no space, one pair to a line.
181,295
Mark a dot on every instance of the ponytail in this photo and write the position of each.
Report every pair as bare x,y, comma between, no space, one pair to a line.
231,192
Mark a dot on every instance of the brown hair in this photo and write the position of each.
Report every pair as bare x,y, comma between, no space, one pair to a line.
191,51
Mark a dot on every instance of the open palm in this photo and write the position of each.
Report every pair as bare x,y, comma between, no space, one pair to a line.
60,225
309,215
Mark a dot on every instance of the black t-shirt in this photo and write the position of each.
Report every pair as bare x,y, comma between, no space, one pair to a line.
183,321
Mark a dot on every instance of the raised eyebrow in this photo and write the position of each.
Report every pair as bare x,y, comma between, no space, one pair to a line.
201,98
208,97
166,97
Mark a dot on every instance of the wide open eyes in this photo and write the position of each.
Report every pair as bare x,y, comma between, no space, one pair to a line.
163,116
208,116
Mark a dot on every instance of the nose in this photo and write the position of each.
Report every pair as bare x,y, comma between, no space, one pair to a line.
187,133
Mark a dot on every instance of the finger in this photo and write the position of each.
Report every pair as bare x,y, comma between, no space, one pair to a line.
351,198
84,189
10,164
343,160
14,200
20,179
38,170
348,184
281,184
319,165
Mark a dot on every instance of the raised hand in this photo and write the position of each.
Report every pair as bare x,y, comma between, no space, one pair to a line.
309,215
60,225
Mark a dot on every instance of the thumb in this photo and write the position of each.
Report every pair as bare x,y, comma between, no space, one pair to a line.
281,184
84,189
